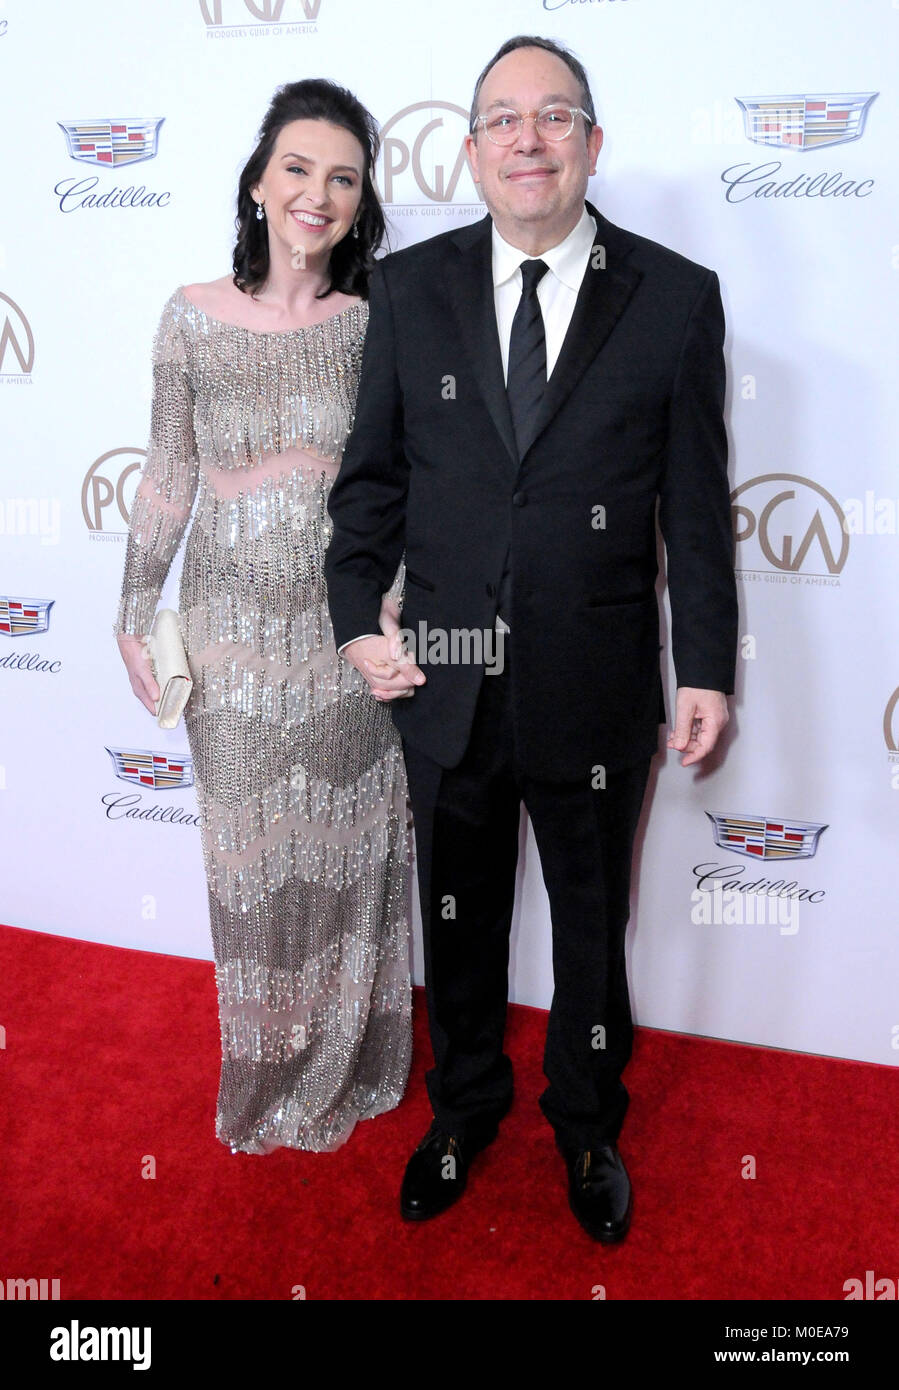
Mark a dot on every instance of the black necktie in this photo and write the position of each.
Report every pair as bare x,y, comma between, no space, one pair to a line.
526,378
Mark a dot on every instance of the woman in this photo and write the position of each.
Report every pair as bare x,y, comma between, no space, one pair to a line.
299,771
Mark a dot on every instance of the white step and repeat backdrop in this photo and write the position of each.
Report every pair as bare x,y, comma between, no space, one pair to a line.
755,136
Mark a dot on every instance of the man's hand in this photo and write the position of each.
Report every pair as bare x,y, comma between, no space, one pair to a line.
699,718
390,671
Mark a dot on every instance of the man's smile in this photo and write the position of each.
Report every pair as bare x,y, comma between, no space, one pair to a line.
537,173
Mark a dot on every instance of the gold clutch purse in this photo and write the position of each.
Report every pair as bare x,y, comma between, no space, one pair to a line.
165,647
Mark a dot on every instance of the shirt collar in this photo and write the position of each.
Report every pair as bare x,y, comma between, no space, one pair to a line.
566,260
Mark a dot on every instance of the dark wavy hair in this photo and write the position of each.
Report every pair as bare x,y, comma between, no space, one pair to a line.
313,99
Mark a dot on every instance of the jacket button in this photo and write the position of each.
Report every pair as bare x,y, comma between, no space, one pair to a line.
491,590
519,499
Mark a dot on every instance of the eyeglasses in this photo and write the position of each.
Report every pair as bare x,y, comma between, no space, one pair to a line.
552,123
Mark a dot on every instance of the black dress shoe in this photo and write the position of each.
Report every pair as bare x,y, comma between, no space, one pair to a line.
437,1172
599,1191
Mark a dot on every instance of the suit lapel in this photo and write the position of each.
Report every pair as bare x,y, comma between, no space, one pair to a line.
471,288
605,292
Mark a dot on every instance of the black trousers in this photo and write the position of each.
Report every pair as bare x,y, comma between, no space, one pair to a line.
466,832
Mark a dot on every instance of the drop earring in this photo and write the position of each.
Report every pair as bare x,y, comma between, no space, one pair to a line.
260,211
356,230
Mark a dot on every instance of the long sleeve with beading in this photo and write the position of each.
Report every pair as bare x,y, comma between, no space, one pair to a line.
165,494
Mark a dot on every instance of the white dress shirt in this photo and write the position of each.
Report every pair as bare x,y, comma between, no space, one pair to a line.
557,291
557,295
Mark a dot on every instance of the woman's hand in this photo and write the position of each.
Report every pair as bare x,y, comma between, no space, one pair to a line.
140,672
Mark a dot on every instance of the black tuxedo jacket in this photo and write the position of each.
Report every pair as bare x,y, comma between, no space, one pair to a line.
632,415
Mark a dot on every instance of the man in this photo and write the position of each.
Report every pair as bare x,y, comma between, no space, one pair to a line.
531,385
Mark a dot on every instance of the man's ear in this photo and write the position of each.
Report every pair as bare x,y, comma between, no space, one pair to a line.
594,145
471,149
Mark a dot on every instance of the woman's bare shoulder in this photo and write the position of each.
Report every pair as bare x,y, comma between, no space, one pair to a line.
213,296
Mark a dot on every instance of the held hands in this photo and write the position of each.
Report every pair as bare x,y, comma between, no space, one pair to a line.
140,672
699,718
390,671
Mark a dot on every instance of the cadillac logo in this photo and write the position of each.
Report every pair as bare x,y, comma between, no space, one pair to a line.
805,122
19,616
760,837
111,142
148,769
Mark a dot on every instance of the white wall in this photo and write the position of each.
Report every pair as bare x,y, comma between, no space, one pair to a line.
809,284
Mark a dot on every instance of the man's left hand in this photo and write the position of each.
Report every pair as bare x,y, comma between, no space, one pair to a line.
699,718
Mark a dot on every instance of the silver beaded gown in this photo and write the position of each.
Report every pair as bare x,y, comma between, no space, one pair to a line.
298,769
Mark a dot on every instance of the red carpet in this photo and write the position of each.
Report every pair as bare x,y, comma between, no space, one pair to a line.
112,1055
